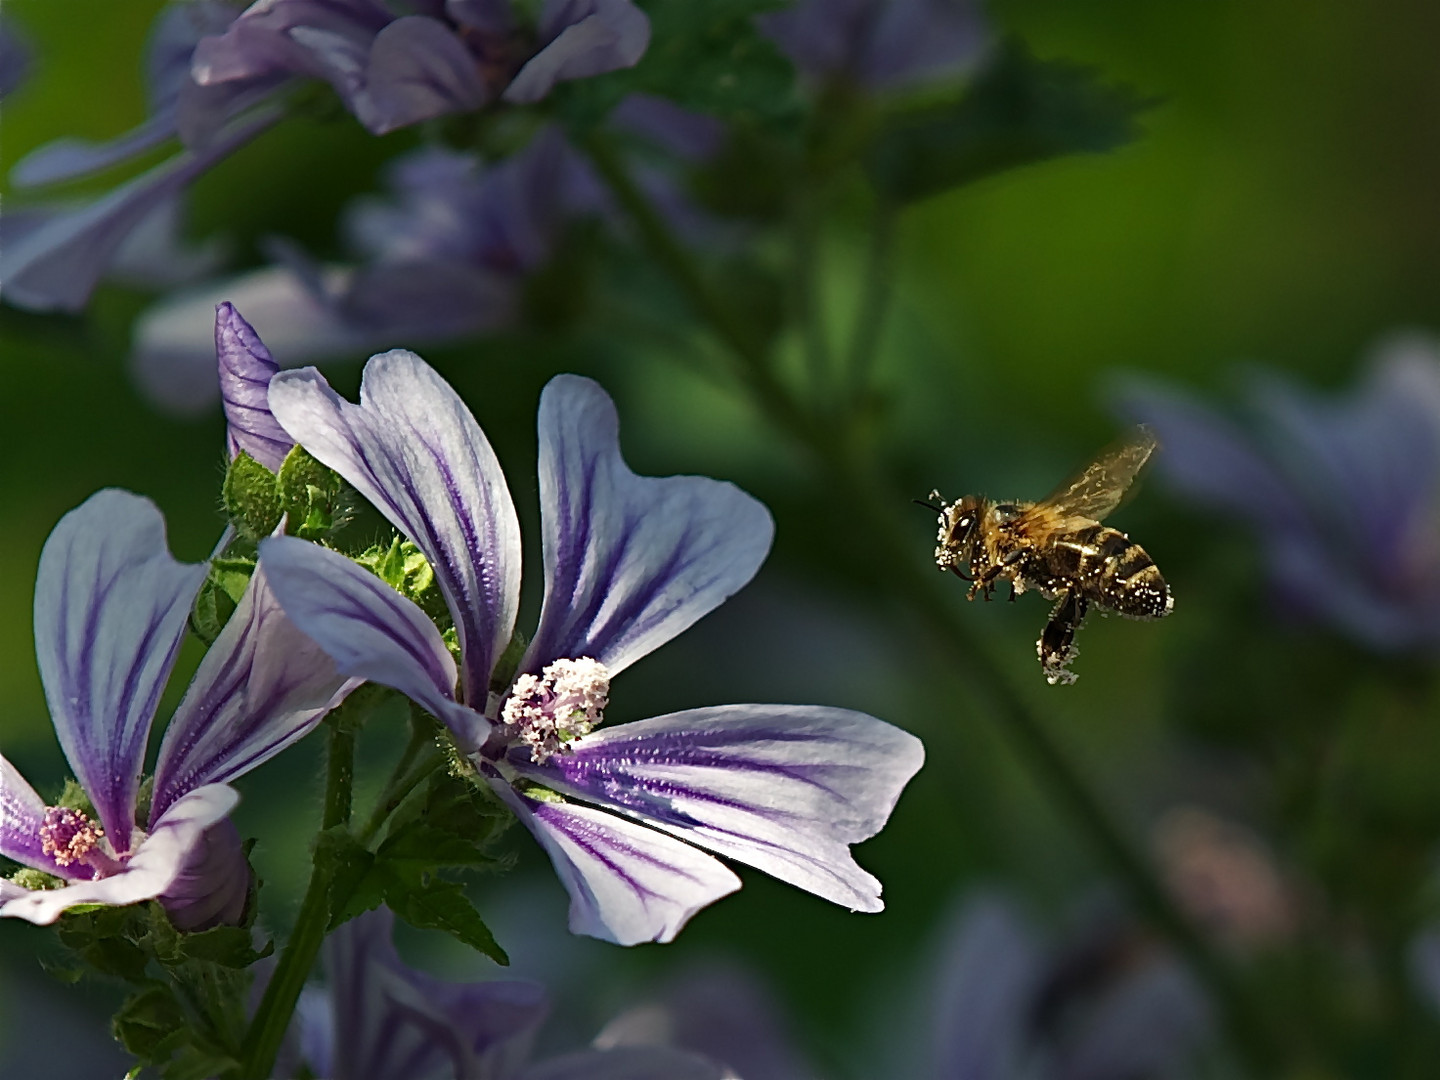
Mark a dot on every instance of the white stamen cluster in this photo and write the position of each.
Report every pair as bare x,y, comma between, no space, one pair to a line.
68,835
563,702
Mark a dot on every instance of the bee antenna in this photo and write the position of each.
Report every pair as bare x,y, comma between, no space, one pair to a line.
928,505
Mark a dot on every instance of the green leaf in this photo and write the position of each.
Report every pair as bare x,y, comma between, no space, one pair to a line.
1019,111
354,884
150,1023
705,55
438,904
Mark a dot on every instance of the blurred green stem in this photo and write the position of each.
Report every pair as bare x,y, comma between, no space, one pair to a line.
868,506
807,214
874,297
272,1018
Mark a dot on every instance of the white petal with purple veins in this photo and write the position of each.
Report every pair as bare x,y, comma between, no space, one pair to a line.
784,788
111,606
412,448
627,883
155,865
630,561
22,813
367,628
262,686
246,368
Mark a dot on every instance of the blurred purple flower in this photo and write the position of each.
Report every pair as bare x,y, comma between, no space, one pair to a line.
392,71
880,44
52,255
630,562
445,254
111,607
999,1005
380,1019
213,75
1344,492
16,57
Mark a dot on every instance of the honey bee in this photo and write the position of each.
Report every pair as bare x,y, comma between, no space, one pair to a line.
1058,547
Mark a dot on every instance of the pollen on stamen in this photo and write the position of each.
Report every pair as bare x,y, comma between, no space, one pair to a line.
68,835
564,702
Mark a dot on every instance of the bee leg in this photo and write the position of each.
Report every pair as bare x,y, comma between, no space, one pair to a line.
1011,597
963,577
1056,646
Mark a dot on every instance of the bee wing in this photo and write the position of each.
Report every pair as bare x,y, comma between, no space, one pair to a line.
1097,489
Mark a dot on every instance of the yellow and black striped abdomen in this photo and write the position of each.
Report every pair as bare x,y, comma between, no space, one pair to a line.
1110,570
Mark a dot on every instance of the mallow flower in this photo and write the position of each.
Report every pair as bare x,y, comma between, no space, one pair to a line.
1343,493
217,78
111,608
53,253
879,44
445,252
380,1019
623,812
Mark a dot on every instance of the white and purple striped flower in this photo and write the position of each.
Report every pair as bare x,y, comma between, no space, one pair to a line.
380,1019
630,562
111,606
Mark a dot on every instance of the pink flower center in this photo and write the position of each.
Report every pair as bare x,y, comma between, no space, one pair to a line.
562,703
69,836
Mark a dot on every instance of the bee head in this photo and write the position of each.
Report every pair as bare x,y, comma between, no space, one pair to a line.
958,530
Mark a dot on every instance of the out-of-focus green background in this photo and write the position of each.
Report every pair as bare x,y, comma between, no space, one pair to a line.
1281,208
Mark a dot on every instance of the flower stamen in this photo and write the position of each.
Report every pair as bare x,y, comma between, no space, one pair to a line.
68,836
562,703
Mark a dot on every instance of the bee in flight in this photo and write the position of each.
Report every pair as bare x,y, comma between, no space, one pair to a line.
1058,547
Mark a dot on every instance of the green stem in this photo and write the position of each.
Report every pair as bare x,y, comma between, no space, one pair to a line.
805,291
867,507
403,778
874,298
272,1018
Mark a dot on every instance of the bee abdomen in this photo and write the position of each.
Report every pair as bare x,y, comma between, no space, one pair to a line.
1120,575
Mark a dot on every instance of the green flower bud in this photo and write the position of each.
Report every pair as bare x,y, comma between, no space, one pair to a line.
314,498
251,497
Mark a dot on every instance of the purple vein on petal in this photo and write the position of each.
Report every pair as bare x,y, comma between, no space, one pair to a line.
246,368
630,561
414,450
111,606
262,686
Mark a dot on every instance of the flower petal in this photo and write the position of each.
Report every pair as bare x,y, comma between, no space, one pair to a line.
784,788
414,450
246,367
611,34
367,628
394,1021
627,1063
173,342
627,883
263,686
418,69
22,813
990,970
1149,1025
156,864
213,886
630,561
56,266
111,606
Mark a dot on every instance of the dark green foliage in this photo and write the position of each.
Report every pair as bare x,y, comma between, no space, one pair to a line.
187,1013
1019,111
706,55
447,826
